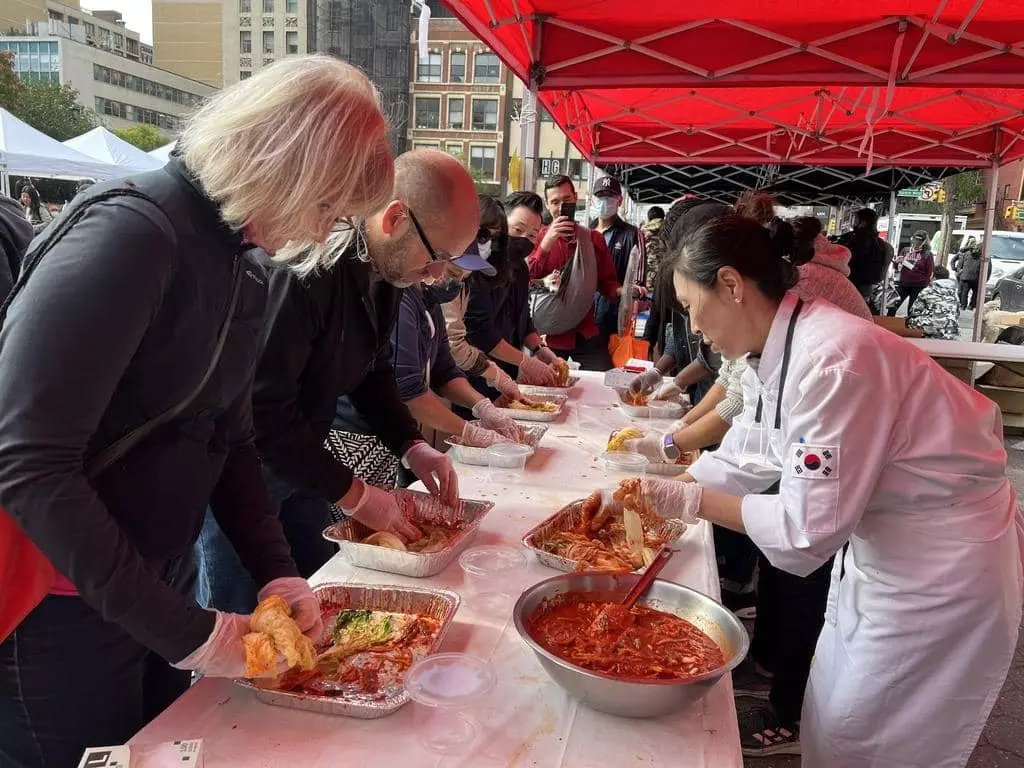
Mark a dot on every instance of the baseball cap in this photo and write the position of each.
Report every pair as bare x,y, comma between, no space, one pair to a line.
472,261
607,185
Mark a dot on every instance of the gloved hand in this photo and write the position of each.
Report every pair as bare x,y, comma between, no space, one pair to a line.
651,445
545,355
478,437
645,383
670,498
435,470
299,596
667,391
492,418
377,509
502,382
533,371
223,655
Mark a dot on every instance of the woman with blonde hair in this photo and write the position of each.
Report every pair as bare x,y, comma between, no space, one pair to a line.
126,363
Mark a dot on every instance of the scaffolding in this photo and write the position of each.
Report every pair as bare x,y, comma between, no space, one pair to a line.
374,36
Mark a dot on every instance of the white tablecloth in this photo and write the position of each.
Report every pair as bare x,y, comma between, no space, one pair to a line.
529,721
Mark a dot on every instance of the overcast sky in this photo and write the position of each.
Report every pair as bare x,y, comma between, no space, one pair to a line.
138,14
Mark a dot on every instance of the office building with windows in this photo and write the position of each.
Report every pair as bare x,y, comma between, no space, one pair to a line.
106,63
460,96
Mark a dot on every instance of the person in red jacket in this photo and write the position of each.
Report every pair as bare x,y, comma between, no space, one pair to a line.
555,249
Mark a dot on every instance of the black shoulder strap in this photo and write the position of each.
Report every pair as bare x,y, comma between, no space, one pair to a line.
52,236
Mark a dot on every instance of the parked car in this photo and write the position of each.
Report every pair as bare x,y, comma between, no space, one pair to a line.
1010,291
1007,253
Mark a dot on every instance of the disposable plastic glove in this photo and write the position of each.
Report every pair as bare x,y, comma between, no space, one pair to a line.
223,654
645,383
545,355
670,498
435,470
492,418
478,437
377,509
533,371
651,445
502,382
667,391
299,596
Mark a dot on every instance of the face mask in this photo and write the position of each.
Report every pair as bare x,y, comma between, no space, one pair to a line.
444,291
605,207
484,248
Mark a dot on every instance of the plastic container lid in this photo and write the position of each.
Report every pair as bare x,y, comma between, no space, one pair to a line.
449,680
492,560
625,462
666,407
509,450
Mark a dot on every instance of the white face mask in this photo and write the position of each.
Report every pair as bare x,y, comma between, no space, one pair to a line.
605,207
485,249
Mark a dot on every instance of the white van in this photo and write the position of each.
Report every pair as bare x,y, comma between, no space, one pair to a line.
1007,251
906,224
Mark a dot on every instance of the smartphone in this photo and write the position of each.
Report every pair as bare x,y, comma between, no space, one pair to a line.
569,210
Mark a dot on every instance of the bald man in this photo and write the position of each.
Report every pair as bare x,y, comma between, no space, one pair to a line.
327,336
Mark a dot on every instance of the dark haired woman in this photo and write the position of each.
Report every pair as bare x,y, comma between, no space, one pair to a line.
472,345
36,213
885,461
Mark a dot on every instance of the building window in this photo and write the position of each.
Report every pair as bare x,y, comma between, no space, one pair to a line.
244,74
424,145
454,148
90,29
34,61
486,68
118,40
429,69
142,85
136,114
456,113
268,6
457,67
482,160
428,112
268,43
291,6
485,114
245,6
245,42
291,40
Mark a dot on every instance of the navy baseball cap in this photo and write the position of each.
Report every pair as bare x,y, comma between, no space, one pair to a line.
607,185
472,261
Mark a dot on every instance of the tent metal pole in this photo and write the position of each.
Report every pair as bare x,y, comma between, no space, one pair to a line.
895,247
529,137
991,201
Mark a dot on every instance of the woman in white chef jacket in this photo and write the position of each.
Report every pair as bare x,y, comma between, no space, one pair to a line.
884,458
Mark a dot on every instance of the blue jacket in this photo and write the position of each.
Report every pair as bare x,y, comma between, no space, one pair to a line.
419,342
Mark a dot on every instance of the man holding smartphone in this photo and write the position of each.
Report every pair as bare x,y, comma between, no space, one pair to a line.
551,264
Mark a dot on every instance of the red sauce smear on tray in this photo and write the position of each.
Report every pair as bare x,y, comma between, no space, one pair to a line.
641,643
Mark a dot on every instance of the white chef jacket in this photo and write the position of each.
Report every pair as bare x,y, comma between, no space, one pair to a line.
880,447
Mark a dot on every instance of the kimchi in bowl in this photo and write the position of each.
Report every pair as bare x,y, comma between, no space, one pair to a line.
628,696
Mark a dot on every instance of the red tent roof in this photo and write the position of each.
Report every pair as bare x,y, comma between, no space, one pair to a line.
904,82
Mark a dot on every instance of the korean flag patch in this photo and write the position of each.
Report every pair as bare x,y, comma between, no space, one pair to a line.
814,462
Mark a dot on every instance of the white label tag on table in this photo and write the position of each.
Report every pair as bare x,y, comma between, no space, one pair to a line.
187,753
106,757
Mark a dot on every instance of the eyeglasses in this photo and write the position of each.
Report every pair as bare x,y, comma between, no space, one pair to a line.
435,267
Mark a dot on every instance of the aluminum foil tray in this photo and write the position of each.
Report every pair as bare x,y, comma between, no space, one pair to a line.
565,519
519,415
419,506
437,603
467,454
535,390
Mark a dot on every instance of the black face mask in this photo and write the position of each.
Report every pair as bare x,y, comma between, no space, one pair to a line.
444,291
518,248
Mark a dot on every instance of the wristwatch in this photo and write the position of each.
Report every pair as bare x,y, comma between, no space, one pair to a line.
668,447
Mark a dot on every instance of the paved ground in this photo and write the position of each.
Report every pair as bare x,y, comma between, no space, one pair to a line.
1002,743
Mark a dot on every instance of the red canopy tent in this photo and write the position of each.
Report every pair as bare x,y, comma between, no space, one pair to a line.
925,83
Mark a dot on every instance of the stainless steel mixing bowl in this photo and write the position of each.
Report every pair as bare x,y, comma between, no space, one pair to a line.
635,698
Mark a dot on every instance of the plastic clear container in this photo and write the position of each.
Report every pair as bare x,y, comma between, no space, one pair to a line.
623,464
489,573
507,461
446,687
664,409
573,365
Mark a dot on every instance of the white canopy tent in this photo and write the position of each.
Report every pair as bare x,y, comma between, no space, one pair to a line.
163,153
24,151
105,146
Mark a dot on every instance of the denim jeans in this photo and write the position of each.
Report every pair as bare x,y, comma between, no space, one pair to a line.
225,585
70,680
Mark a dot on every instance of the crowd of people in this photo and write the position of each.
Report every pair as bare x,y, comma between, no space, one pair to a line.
204,365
